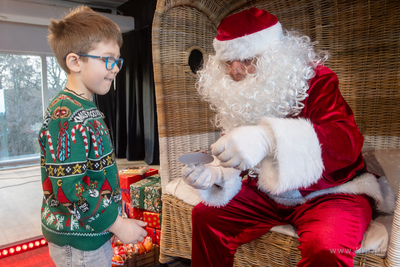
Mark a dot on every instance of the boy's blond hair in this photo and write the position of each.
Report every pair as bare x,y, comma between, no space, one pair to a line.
79,32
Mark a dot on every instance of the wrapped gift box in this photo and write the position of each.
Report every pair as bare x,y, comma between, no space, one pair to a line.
155,234
153,219
146,194
131,212
129,176
137,170
151,172
125,208
137,214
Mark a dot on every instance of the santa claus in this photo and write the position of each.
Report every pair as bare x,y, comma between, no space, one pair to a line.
285,125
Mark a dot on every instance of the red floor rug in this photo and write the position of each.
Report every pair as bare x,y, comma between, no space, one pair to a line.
38,257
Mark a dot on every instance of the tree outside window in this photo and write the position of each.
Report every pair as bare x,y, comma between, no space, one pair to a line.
21,111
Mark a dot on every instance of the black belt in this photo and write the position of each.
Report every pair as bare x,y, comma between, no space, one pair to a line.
359,172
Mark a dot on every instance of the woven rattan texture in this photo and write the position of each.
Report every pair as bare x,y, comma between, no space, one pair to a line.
183,112
184,120
176,232
283,252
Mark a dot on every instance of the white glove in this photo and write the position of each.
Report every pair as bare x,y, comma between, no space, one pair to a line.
244,147
200,176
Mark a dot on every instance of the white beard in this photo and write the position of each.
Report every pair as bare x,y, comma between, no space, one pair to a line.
276,90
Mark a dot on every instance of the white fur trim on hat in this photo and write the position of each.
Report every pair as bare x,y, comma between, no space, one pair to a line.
248,46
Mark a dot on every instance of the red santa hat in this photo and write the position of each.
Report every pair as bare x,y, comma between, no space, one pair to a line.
246,34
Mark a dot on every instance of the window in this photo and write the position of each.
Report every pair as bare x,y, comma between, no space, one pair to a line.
23,99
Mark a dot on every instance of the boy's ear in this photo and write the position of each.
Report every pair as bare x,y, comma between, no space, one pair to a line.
73,62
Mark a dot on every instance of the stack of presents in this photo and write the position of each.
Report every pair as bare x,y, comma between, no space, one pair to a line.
141,200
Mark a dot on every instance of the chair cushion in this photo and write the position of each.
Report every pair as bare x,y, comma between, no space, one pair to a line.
180,189
385,162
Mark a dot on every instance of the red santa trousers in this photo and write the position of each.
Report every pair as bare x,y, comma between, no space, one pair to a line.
330,227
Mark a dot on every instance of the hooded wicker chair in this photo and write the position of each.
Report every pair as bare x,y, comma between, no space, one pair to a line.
363,38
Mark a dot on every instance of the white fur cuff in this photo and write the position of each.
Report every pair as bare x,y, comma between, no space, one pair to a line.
297,161
218,196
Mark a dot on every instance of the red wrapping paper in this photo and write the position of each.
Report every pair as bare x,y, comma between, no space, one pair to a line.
125,180
155,234
137,213
131,212
153,219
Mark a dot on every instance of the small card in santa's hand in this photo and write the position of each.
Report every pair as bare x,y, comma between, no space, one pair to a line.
200,157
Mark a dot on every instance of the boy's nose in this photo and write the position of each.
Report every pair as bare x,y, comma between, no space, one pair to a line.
115,68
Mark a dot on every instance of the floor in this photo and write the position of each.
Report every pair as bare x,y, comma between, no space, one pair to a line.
21,197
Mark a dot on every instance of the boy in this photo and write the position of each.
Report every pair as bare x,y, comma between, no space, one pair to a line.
82,198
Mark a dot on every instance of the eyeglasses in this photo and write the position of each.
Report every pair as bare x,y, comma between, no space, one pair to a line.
110,61
242,66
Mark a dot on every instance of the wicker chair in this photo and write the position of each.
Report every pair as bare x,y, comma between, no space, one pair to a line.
363,38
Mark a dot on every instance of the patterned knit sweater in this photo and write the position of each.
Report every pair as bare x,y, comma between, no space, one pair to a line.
81,192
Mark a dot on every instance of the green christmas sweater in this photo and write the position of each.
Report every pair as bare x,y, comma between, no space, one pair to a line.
81,192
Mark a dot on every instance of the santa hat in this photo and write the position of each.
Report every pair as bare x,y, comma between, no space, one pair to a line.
246,34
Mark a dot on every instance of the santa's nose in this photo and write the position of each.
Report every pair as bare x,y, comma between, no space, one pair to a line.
237,71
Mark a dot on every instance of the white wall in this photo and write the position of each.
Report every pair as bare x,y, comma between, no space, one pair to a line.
17,37
23,26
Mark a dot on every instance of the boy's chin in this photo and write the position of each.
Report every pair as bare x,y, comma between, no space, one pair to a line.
102,92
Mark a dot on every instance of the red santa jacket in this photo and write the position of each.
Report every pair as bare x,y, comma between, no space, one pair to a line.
317,153
338,135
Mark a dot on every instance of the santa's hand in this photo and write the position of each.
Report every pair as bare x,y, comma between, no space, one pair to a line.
200,176
244,147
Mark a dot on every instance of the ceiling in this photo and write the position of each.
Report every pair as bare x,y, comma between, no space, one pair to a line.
106,4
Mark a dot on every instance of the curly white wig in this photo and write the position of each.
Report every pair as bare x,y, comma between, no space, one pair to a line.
277,89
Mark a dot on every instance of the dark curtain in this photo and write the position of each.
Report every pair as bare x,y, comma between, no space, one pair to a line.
130,109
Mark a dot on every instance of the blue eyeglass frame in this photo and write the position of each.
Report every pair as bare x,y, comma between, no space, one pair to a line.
106,60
